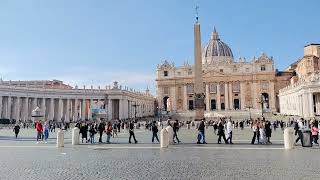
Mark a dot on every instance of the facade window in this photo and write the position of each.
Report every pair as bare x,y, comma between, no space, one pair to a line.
213,88
189,72
190,105
236,86
221,70
165,73
166,90
190,89
247,69
179,73
263,68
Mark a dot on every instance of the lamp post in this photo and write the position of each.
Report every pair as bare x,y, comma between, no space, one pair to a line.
135,110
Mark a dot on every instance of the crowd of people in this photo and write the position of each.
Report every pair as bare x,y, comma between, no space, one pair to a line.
261,128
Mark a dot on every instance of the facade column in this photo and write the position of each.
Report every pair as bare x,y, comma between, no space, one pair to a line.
317,102
230,96
121,109
185,98
68,111
254,91
226,96
272,96
83,109
218,96
207,98
9,107
242,96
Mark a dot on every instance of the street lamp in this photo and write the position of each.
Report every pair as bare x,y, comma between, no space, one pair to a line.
135,110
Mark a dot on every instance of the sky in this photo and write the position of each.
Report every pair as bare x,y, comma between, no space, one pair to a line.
100,41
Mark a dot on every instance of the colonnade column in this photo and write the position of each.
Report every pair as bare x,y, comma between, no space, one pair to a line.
218,96
9,108
68,111
75,111
0,106
317,103
311,110
90,109
43,107
26,109
83,109
121,110
17,109
51,111
242,96
230,96
60,109
207,98
226,97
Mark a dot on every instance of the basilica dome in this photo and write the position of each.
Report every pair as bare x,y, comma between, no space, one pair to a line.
216,49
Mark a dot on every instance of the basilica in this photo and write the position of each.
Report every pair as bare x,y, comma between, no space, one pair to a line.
230,85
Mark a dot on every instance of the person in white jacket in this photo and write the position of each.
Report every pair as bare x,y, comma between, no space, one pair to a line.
229,131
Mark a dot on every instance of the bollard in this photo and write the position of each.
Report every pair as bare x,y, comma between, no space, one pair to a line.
288,138
164,138
170,134
60,139
75,136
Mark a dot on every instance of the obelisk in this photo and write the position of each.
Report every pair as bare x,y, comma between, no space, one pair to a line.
199,95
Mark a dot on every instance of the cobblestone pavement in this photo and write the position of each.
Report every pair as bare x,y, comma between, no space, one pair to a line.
24,159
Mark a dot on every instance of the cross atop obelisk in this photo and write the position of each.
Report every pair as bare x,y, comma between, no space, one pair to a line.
198,79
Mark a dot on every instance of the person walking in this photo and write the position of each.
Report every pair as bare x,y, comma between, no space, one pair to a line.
101,129
155,131
298,127
92,131
175,130
314,131
262,133
108,130
268,131
46,132
39,130
221,132
254,130
84,132
16,130
215,127
229,131
131,132
201,133
114,130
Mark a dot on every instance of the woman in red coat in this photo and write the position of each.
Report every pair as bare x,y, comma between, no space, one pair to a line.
39,129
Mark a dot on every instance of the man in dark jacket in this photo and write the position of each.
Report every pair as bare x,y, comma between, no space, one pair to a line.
131,132
221,133
101,128
175,130
201,135
154,131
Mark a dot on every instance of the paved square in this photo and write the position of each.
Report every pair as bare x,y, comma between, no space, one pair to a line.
24,159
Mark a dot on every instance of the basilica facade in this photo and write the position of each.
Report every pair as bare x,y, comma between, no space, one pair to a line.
230,85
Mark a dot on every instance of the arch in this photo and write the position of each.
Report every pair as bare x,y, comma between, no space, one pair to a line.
165,103
265,100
